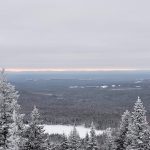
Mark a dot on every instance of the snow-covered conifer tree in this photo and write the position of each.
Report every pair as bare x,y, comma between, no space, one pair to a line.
121,137
109,145
36,139
17,129
86,140
139,133
64,145
8,95
92,144
74,139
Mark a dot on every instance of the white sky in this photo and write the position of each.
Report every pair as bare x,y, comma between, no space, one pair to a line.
75,34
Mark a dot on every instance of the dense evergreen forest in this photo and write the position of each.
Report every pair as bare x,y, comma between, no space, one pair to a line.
133,133
80,98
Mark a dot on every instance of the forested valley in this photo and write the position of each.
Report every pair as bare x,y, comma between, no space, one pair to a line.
132,133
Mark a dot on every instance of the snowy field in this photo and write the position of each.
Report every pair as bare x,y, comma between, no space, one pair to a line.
60,129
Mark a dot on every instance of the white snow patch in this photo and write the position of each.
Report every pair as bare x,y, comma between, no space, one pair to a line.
94,86
104,86
113,85
138,86
66,129
73,87
139,81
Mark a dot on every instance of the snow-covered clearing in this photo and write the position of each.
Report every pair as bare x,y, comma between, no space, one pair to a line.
60,129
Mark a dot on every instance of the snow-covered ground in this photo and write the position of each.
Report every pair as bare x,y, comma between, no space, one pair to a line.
60,129
104,86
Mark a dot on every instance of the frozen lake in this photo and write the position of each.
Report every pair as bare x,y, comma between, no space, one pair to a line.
66,129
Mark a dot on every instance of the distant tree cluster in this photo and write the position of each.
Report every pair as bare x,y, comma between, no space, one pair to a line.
132,134
74,142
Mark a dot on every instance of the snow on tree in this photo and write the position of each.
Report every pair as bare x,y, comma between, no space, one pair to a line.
121,137
36,139
86,140
64,145
8,95
139,133
109,145
16,131
74,139
17,128
92,144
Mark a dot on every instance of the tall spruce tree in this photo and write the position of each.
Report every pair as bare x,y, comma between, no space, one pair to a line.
109,144
36,139
64,145
17,128
74,139
92,144
86,141
121,137
139,133
8,95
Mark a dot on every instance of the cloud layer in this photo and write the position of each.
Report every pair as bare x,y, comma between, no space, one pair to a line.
75,34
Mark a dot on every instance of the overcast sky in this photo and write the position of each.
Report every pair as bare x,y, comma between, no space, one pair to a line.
75,34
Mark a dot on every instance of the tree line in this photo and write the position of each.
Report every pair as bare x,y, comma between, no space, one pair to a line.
132,134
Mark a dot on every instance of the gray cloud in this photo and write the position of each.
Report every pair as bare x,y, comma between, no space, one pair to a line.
75,33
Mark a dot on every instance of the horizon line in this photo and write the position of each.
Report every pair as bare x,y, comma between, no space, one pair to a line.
72,69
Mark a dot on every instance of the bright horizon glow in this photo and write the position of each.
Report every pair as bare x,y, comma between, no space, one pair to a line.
71,69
